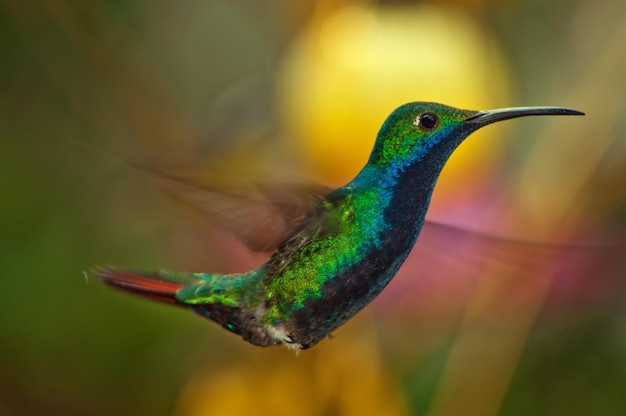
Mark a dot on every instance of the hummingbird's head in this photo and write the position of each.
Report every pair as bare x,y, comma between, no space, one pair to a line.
413,130
421,130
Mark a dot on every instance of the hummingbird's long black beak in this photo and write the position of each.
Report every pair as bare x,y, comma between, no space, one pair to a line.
482,118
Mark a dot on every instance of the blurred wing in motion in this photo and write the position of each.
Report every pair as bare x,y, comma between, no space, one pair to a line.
261,214
448,264
445,266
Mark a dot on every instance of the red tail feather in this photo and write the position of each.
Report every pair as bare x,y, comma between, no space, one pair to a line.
149,285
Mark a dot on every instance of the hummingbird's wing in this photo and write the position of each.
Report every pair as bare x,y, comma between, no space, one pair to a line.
264,213
448,265
261,214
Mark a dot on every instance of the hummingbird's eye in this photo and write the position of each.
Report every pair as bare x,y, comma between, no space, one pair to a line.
427,121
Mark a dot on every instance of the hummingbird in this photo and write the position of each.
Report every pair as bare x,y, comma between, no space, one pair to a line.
333,251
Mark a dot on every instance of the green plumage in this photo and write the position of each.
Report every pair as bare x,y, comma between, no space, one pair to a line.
347,224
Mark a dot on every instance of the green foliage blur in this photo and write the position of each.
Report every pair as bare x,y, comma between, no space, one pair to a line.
87,86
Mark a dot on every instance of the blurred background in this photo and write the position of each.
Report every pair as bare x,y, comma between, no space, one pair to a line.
471,325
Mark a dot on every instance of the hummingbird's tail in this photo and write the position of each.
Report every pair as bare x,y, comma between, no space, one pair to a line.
161,286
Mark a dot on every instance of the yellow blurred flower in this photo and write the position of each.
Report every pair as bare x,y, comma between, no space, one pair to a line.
343,376
349,70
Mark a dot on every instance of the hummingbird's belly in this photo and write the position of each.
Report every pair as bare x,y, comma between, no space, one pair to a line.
341,298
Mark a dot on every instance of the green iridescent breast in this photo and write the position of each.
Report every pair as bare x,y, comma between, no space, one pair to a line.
336,235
